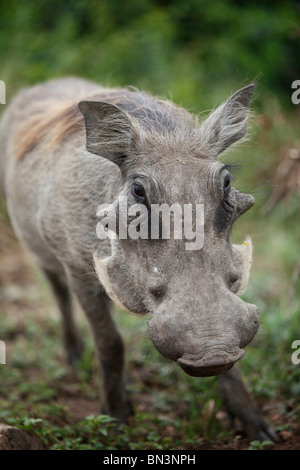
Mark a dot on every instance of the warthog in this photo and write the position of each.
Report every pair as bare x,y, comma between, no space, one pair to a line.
68,146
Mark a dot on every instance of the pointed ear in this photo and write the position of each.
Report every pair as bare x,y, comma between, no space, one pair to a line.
228,122
109,132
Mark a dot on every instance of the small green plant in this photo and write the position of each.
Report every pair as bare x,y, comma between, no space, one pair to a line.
29,424
259,445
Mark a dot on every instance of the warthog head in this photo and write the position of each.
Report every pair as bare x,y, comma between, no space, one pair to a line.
166,156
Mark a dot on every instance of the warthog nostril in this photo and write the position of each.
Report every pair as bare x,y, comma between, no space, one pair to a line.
206,367
157,291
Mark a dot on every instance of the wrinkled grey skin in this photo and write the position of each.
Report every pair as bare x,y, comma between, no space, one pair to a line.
53,191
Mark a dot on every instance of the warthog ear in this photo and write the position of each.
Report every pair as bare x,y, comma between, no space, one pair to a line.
109,132
228,122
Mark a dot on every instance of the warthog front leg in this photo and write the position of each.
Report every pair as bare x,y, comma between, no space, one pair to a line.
72,341
240,405
109,345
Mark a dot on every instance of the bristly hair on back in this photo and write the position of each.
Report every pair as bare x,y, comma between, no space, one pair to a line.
48,127
53,123
154,120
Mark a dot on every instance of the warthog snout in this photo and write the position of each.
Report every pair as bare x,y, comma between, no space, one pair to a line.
208,343
213,365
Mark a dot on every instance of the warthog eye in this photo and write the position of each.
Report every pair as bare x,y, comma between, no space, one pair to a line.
138,193
227,185
227,202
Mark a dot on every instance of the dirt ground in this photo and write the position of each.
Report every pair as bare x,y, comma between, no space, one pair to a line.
16,270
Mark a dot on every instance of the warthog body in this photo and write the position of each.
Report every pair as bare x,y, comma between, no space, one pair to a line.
68,146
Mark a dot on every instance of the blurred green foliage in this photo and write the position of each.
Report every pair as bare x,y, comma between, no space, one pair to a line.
197,50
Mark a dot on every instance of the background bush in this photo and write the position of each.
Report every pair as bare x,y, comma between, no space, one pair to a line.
196,49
